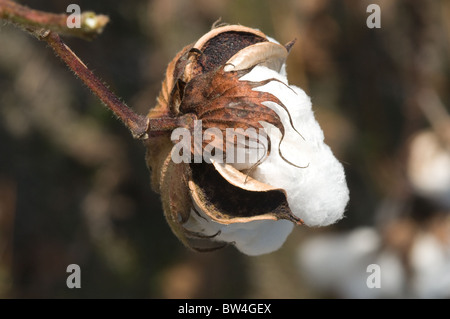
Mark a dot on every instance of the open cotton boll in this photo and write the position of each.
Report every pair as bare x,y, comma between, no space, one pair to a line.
255,238
316,193
428,167
307,170
240,191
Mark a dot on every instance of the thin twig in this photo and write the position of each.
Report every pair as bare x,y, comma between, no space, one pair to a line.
91,24
41,25
135,122
45,26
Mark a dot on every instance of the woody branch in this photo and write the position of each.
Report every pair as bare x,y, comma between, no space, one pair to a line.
47,26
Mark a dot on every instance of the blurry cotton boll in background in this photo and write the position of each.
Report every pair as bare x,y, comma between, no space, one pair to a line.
337,264
410,247
429,167
430,261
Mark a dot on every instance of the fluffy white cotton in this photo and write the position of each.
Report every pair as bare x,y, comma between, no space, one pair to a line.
317,193
254,238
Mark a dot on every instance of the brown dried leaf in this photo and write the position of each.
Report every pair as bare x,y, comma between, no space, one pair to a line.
221,101
175,196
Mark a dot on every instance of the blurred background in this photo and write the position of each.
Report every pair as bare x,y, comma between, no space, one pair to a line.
75,189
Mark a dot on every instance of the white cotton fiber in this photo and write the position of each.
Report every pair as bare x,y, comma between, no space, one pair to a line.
253,238
317,193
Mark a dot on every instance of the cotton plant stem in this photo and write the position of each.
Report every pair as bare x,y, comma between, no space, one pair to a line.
91,24
45,26
139,125
136,123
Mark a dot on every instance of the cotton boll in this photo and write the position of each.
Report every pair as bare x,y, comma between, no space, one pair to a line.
211,87
282,72
430,261
254,238
316,193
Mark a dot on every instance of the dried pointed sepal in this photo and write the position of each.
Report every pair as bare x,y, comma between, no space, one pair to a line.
269,54
175,196
206,91
158,150
174,71
220,100
239,179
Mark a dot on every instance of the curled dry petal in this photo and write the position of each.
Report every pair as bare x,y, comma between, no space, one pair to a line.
269,54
